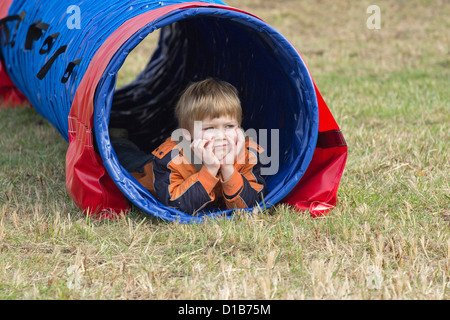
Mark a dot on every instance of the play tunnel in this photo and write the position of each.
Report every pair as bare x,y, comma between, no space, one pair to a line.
62,57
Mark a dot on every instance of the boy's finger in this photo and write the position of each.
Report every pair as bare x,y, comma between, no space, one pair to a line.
240,134
211,141
236,144
204,143
228,139
194,145
195,142
210,144
200,144
241,138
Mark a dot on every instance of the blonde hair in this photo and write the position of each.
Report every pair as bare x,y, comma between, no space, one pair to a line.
210,98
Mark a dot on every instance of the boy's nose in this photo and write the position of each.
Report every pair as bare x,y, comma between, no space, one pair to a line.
220,133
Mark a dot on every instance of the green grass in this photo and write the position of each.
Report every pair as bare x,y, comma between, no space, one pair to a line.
388,237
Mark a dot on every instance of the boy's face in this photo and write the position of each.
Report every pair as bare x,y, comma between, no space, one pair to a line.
219,129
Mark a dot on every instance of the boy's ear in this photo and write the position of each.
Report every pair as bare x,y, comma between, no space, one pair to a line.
186,134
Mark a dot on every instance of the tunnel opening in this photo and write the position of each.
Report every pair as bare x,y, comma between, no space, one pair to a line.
276,91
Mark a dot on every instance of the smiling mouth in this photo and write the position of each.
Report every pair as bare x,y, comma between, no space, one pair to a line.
221,146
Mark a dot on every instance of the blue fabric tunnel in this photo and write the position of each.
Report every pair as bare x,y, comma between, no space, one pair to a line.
204,39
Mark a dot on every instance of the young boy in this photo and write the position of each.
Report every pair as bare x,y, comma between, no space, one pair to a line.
219,167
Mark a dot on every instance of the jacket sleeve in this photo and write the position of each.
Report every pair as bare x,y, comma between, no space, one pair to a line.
187,194
246,187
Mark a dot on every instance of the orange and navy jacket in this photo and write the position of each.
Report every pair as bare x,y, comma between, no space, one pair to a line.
177,183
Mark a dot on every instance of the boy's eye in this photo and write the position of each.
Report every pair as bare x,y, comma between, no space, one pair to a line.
230,126
208,128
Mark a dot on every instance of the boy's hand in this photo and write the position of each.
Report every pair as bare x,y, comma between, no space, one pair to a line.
235,148
227,162
203,150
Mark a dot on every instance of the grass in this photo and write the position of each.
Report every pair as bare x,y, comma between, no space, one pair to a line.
388,237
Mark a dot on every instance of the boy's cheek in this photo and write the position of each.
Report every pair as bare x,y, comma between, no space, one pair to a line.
232,136
207,135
